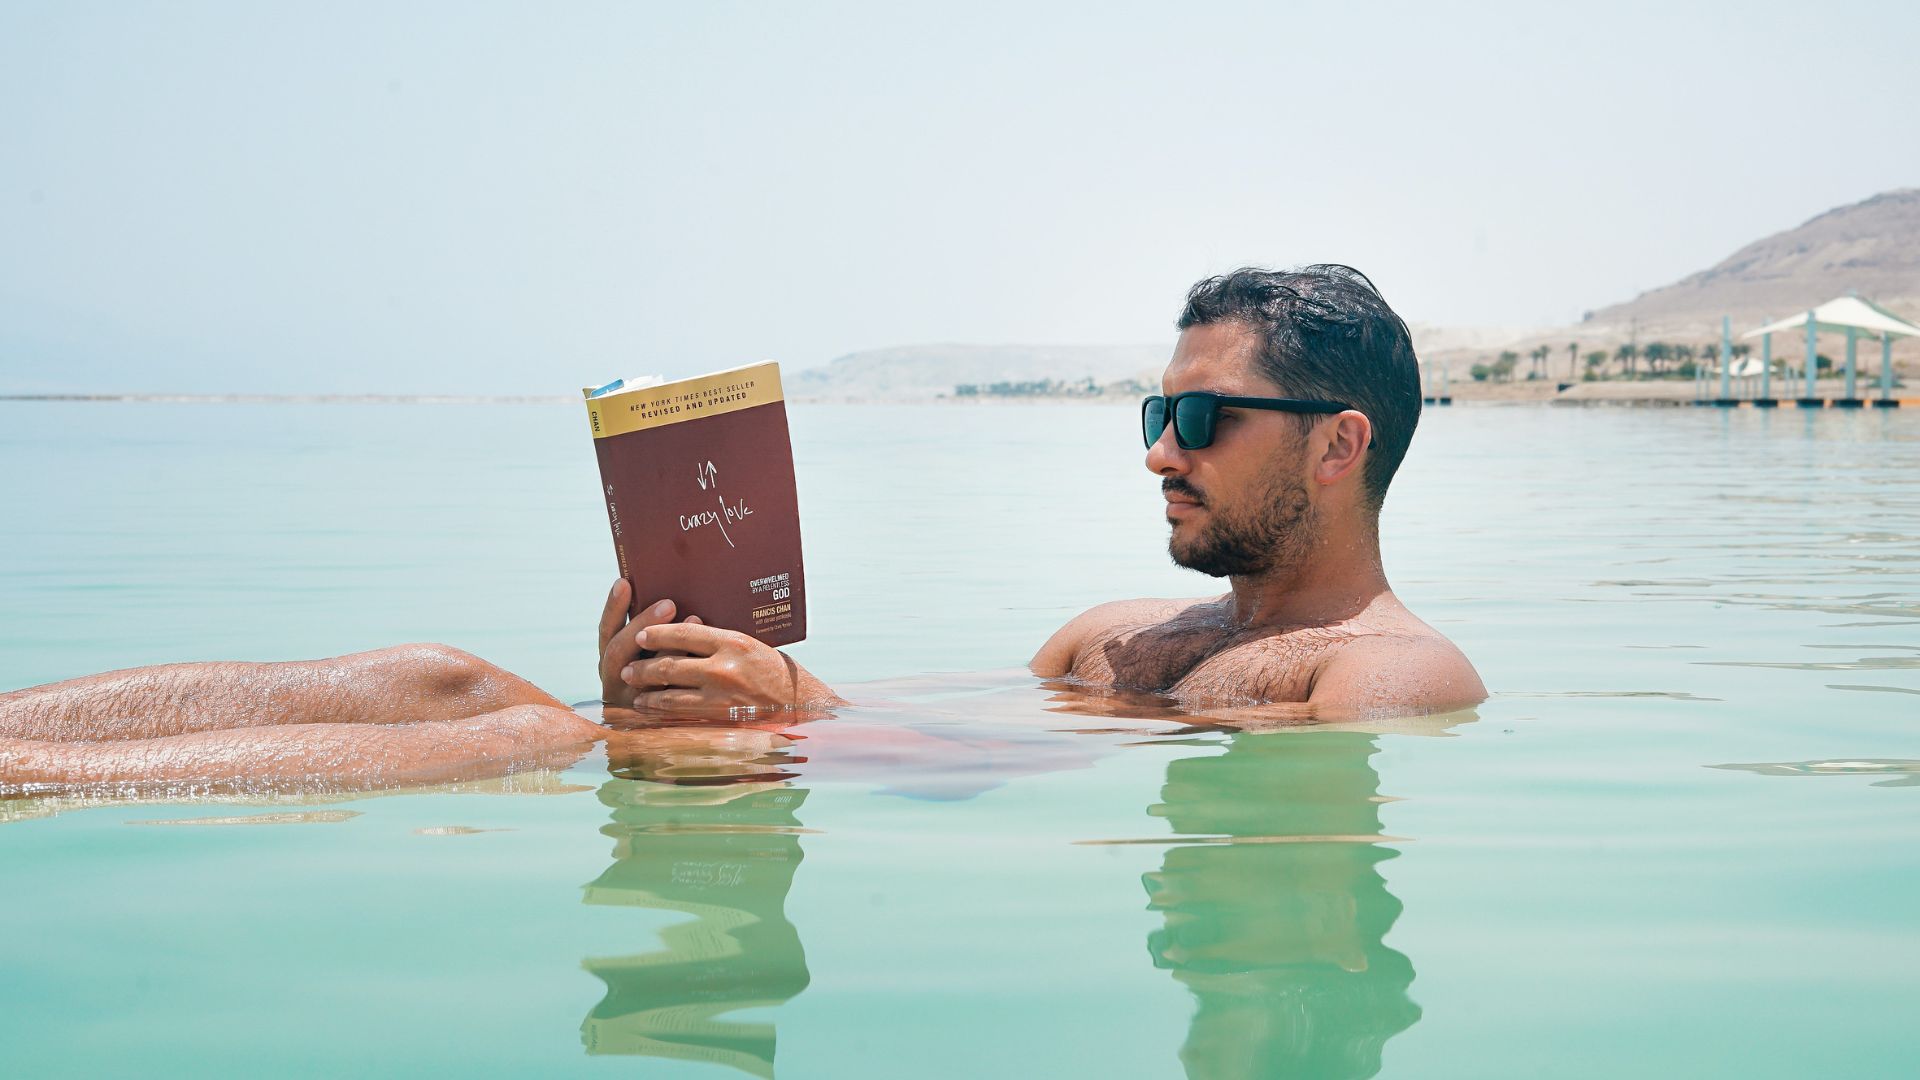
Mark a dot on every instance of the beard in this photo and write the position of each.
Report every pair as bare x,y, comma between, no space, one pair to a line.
1274,532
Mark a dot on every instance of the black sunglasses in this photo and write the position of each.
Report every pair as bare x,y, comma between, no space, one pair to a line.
1194,414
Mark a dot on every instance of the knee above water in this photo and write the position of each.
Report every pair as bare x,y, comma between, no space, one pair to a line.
443,669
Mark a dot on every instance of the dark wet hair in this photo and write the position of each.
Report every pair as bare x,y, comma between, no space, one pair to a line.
1325,332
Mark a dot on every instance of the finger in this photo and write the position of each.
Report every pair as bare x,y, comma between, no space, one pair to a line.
625,646
694,639
615,615
662,611
664,672
695,619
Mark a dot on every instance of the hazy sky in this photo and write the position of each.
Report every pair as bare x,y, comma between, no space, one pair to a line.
421,196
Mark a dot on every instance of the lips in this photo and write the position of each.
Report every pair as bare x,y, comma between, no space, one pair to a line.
1178,493
1181,503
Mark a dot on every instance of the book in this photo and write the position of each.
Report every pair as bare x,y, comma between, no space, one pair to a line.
698,479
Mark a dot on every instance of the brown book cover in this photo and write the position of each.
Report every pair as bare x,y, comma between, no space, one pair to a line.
698,478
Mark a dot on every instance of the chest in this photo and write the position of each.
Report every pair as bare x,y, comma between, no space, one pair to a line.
1211,661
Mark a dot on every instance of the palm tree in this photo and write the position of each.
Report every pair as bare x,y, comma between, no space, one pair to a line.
1656,353
1573,361
1626,354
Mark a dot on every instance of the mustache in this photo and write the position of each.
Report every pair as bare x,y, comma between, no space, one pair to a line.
1178,485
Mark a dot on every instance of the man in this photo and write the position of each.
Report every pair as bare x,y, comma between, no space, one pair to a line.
1287,408
1288,405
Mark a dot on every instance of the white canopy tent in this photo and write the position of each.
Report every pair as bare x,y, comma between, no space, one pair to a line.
1850,315
1847,313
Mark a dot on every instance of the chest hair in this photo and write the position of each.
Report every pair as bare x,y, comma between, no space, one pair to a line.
1202,657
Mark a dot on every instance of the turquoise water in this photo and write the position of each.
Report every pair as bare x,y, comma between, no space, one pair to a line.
1681,839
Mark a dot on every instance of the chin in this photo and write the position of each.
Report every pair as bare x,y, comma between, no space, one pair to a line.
1185,557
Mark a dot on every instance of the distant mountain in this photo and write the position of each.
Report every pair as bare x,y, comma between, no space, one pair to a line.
1871,247
909,372
921,372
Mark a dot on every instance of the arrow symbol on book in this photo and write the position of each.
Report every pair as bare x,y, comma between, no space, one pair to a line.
705,475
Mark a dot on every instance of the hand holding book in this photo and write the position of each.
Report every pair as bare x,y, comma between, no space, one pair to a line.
651,662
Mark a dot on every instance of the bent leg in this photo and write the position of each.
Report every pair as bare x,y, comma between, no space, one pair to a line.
402,684
328,754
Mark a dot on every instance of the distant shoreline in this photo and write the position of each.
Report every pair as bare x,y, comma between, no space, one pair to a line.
1665,393
304,399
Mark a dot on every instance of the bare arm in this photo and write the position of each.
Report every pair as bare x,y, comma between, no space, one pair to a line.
318,754
1399,672
1056,657
402,684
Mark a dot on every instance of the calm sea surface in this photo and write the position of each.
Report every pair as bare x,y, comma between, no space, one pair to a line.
1682,839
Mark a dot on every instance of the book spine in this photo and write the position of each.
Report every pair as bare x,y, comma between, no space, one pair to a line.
614,519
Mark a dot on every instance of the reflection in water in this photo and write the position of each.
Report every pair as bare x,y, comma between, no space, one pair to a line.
1275,910
725,854
1276,923
31,807
1899,772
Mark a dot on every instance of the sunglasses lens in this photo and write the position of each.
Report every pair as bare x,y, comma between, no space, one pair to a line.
1193,422
1153,419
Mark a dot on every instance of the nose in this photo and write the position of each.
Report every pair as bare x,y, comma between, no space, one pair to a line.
1165,458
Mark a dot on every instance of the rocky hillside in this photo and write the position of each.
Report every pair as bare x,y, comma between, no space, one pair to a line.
1870,247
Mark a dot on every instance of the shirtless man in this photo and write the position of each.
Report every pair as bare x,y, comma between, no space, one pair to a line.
1287,408
1288,405
1286,507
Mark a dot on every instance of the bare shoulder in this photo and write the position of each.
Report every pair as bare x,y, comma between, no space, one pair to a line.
1056,657
1414,668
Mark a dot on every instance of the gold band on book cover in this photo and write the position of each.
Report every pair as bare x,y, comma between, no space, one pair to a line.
688,399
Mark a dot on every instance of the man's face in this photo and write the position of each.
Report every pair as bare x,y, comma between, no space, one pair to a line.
1241,505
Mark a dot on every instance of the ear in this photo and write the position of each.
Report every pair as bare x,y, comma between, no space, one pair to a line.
1342,447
